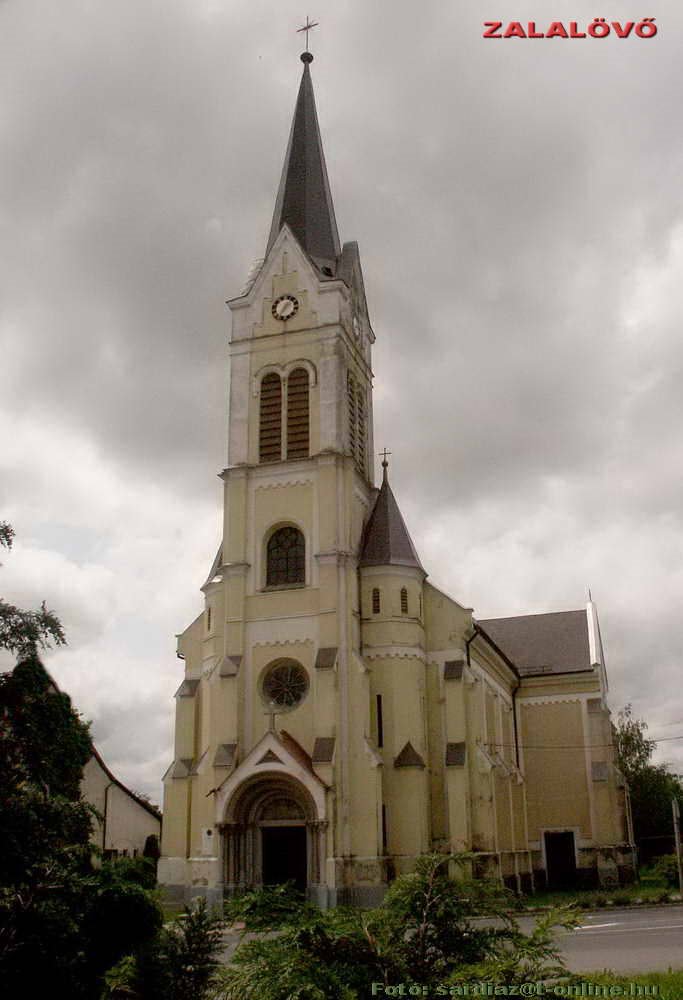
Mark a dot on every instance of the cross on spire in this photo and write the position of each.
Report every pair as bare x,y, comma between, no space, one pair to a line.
307,27
384,455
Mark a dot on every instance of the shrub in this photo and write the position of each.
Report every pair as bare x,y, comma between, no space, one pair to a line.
178,963
267,908
666,870
430,929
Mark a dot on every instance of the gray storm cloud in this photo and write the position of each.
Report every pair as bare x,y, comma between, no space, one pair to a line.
518,207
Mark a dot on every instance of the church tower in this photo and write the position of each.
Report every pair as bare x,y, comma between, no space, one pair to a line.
339,715
274,776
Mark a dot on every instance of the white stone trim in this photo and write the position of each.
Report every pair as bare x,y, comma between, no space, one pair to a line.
379,652
549,699
290,767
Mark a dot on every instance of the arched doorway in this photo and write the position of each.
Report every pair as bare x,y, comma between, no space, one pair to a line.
271,835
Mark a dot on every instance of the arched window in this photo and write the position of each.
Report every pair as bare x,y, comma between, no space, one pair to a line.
404,601
285,558
270,423
297,414
375,601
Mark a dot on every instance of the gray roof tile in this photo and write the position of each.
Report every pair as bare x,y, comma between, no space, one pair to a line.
456,754
323,750
409,757
304,200
553,643
386,541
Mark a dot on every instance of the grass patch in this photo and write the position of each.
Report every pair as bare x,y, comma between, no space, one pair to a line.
171,911
586,899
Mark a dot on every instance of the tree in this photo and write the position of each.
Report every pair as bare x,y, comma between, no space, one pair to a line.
62,921
178,963
633,748
23,632
651,786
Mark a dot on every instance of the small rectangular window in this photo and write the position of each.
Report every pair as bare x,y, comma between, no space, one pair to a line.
375,601
380,722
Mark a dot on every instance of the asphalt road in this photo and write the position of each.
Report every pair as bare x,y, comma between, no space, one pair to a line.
647,939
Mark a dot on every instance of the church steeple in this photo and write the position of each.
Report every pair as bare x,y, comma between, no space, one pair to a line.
304,200
386,541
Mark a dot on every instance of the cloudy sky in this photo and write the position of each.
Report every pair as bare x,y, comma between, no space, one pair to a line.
519,210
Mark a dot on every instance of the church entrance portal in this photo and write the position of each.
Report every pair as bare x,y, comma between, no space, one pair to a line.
272,835
284,855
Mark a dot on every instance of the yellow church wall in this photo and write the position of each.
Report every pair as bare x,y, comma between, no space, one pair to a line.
186,711
446,621
436,747
174,827
557,792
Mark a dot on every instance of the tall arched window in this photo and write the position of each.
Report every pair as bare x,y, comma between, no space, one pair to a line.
270,423
297,414
285,558
404,601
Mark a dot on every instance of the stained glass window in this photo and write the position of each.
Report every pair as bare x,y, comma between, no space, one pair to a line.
286,558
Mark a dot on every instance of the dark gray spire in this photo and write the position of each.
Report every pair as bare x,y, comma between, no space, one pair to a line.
304,200
386,541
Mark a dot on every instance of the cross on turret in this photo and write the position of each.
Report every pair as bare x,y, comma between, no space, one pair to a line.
307,27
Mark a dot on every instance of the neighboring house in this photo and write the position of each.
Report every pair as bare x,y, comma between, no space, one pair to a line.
127,820
339,715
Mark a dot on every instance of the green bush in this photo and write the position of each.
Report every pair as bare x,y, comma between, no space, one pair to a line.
666,870
621,899
178,963
426,931
267,908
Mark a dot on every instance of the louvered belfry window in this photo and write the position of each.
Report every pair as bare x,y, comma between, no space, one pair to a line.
357,430
360,436
270,425
297,414
404,601
375,601
353,419
286,558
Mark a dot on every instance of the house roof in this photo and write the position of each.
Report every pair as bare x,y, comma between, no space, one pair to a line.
97,757
553,643
304,199
386,541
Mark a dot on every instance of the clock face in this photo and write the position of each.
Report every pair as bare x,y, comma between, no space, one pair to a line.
285,307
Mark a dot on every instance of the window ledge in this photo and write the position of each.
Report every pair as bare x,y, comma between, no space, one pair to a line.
282,586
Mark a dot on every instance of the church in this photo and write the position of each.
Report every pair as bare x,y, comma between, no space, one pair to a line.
339,715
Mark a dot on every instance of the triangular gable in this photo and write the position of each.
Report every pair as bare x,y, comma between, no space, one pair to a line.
275,753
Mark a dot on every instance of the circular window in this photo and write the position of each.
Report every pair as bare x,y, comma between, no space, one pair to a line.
285,684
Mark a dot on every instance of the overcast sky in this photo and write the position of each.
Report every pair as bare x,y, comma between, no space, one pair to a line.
519,210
